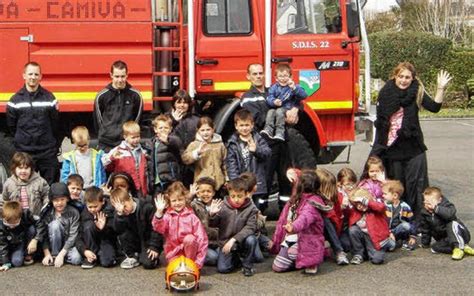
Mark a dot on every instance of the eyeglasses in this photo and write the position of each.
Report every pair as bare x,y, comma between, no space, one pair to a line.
348,186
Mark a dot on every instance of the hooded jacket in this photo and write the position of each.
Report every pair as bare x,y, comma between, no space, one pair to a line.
211,163
70,167
235,223
174,226
33,121
258,160
36,187
112,108
377,225
309,226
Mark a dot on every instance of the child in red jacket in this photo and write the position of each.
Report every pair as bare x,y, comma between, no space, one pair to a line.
183,231
368,228
129,157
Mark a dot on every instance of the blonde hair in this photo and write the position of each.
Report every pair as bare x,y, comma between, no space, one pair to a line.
433,191
360,192
12,211
328,187
394,186
80,135
179,189
409,67
120,195
130,127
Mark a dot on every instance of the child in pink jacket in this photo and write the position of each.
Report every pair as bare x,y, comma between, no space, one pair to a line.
373,177
183,231
299,233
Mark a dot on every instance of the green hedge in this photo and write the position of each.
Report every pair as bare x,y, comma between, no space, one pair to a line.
426,52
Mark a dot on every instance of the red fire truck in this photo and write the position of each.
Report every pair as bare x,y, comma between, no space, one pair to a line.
203,46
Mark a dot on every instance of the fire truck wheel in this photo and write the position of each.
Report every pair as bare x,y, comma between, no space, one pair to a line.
297,153
7,149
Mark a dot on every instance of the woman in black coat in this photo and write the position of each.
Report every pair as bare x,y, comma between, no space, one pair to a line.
399,139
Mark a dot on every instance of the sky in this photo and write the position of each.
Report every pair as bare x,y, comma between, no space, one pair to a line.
379,5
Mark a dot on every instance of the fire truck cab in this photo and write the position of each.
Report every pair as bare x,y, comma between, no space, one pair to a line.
203,46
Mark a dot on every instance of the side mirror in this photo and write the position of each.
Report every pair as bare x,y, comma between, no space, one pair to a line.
353,24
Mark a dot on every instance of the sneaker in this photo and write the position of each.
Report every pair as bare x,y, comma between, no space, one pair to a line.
279,137
87,265
341,258
248,271
311,271
129,262
433,251
357,259
266,135
28,260
458,254
468,250
408,247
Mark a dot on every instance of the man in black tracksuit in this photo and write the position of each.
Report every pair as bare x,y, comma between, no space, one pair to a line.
115,105
32,117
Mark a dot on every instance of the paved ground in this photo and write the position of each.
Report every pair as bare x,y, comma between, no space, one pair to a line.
451,167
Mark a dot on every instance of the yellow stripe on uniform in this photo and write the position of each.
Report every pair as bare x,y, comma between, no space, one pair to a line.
73,96
330,105
232,86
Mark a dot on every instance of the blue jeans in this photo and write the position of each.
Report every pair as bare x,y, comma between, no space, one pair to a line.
211,257
18,251
262,245
331,235
56,241
243,254
402,231
361,242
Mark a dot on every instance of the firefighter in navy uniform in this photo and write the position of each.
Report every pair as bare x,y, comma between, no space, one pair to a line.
32,118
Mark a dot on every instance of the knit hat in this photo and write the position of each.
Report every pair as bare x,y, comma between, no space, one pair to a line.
58,190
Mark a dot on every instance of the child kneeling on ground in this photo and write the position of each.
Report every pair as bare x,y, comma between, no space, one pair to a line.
183,232
58,228
136,237
237,223
299,233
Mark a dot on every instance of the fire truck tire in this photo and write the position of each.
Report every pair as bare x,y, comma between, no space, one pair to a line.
299,151
298,154
7,149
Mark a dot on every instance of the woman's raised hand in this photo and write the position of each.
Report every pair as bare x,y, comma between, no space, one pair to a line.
443,79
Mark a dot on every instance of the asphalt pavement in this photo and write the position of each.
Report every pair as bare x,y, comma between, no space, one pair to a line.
451,167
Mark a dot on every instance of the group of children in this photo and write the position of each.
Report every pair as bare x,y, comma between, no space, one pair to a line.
145,207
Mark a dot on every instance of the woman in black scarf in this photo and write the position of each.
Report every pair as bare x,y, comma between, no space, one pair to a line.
399,139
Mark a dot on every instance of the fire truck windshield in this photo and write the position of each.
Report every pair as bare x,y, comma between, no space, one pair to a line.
308,17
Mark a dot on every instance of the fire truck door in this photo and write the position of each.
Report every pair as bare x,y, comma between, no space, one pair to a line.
307,34
228,39
14,54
